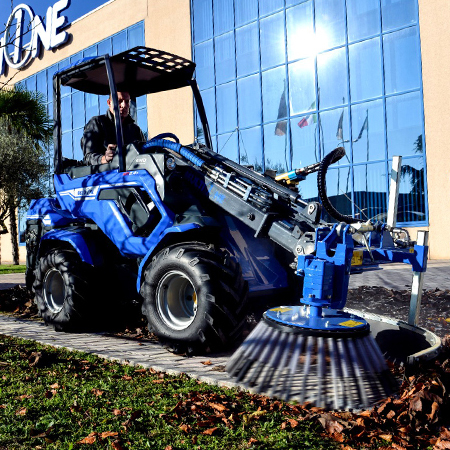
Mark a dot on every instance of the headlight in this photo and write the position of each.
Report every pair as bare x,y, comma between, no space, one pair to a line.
171,164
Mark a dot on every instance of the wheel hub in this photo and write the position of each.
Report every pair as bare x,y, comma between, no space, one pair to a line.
176,300
54,291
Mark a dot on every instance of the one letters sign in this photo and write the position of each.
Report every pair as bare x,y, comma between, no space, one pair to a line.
26,33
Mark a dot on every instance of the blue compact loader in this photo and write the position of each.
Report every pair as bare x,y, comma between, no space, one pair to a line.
200,242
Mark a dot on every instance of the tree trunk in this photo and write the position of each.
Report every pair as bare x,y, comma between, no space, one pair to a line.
13,230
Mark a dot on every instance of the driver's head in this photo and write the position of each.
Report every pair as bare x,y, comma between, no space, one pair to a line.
124,104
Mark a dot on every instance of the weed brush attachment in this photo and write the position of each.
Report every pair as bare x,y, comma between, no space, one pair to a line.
339,368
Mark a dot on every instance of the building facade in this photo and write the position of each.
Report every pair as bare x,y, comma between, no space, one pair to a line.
284,82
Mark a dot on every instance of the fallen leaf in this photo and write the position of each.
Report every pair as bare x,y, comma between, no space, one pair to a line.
251,442
21,412
117,412
293,422
97,392
116,445
55,386
217,406
207,363
90,439
106,434
127,378
210,431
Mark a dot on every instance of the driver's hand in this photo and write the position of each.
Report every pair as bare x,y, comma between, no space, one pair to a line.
110,152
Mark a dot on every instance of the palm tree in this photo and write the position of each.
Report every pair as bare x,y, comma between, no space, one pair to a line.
25,131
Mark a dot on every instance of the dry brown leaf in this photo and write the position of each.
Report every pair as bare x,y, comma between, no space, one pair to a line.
127,378
97,392
252,441
217,407
106,434
210,431
293,422
90,439
184,427
117,412
55,386
168,447
207,363
21,412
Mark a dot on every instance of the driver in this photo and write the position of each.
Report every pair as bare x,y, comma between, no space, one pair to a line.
99,137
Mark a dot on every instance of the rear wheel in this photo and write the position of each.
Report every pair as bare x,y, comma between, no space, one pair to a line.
194,298
63,290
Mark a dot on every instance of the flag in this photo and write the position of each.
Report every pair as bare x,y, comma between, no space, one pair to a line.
364,127
340,130
309,119
281,127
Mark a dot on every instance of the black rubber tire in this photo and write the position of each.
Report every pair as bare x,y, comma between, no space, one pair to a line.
215,315
63,291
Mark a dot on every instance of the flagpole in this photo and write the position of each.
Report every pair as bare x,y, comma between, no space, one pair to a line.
367,152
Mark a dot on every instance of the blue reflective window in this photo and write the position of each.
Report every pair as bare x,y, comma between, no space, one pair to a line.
119,42
209,101
250,148
365,70
273,47
204,58
330,23
90,51
370,194
66,145
339,190
302,86
141,102
274,94
136,36
363,19
411,197
30,83
311,75
368,131
335,132
226,107
223,16
249,101
227,146
203,20
104,47
41,84
401,60
300,31
305,145
76,57
332,77
276,149
225,58
66,113
270,6
404,119
92,108
247,49
245,11
398,13
78,109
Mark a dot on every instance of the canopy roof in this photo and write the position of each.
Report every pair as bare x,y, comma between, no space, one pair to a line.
138,71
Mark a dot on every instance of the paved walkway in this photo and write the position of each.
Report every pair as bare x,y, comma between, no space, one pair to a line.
208,369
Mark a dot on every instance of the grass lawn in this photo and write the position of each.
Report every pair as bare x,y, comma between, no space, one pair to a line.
11,268
56,399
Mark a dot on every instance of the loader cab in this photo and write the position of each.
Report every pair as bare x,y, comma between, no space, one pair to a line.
139,71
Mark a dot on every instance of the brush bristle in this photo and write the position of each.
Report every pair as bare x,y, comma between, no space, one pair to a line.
331,372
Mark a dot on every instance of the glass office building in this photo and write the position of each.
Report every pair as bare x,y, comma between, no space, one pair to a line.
284,82
287,81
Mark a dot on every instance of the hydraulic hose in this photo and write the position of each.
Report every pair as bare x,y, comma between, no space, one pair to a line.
176,147
332,157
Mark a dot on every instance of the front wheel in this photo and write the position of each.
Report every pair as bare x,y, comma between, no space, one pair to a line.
194,298
63,290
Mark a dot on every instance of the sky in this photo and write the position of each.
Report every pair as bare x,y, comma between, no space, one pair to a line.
76,9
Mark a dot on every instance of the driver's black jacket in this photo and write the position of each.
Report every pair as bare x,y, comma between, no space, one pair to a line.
100,131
